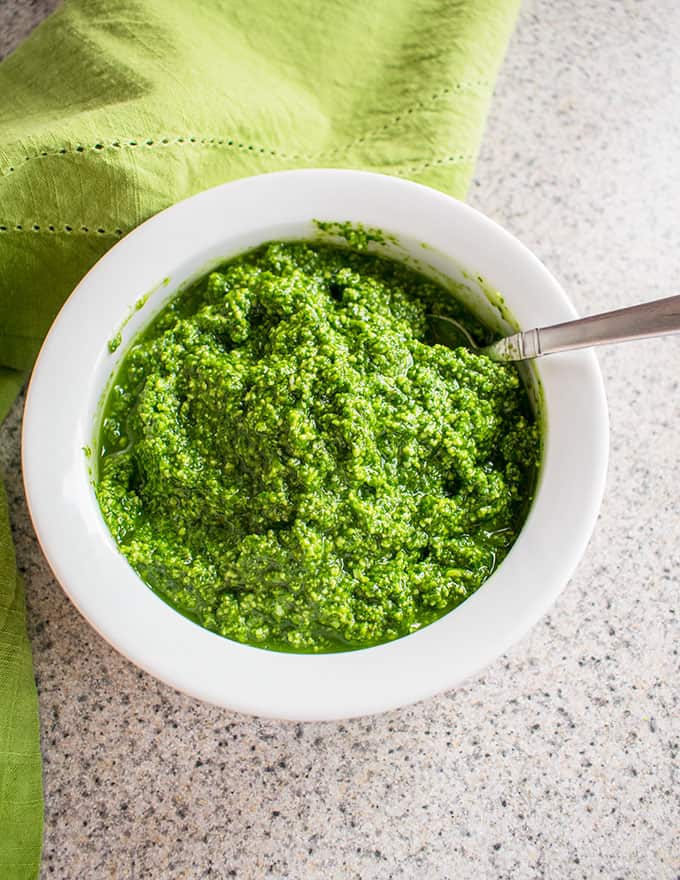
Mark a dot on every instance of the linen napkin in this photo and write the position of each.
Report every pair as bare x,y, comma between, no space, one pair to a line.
109,112
21,808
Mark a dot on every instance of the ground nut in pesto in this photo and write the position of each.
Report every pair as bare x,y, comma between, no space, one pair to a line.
288,460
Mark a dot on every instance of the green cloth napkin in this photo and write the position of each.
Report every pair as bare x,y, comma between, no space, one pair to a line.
112,111
21,806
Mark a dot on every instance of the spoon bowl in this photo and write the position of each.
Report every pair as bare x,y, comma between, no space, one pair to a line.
659,317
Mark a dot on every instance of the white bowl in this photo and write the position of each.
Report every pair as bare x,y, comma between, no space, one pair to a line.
185,241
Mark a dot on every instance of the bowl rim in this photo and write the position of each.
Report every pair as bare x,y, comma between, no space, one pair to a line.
140,625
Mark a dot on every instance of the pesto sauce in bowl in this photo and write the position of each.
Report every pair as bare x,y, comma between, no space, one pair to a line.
288,459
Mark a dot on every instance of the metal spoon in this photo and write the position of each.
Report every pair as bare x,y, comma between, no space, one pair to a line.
657,318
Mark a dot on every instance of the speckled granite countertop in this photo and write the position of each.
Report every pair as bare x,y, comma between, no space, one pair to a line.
560,761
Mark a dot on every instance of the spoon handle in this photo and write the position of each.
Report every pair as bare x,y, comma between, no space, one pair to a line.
656,318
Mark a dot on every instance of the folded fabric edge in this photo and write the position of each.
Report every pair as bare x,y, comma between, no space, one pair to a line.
11,383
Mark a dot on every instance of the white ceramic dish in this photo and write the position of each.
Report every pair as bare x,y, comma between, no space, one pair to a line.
184,241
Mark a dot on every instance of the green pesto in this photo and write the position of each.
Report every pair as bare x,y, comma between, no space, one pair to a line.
357,236
288,459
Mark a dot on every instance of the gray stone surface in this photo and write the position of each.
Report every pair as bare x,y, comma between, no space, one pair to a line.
560,761
18,18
